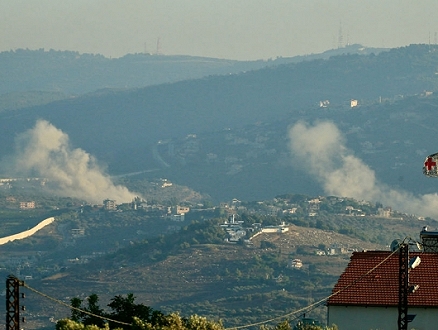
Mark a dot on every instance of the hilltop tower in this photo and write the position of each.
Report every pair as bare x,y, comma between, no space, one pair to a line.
158,51
340,37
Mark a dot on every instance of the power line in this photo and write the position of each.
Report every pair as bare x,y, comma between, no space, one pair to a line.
311,306
71,307
316,304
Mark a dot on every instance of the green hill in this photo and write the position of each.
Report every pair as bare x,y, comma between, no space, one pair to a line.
190,268
137,130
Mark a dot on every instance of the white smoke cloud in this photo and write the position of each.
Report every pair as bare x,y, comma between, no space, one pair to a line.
44,151
321,151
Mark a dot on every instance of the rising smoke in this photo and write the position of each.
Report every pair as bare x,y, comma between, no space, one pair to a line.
320,150
44,152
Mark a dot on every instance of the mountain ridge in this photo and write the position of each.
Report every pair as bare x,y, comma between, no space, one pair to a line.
123,128
72,73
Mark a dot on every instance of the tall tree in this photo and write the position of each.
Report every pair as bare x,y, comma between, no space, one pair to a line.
124,309
95,312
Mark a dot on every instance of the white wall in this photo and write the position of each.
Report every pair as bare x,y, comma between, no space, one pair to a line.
27,233
379,318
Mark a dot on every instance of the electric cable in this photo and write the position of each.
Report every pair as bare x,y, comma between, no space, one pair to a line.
311,306
315,304
71,307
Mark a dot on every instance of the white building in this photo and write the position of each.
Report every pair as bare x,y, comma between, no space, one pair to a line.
296,263
109,205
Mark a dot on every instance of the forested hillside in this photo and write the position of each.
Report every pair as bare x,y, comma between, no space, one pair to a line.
130,131
72,73
192,266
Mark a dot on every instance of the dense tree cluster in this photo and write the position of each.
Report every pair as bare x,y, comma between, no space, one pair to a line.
126,314
123,312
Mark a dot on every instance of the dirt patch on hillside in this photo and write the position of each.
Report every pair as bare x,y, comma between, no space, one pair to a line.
312,238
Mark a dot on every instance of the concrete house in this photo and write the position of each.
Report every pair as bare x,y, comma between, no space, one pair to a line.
366,295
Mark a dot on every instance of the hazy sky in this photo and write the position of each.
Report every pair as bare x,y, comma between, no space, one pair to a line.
233,29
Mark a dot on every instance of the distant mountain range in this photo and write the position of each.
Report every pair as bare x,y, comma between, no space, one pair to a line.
228,135
72,73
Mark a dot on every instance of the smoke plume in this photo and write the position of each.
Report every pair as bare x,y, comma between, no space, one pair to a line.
44,152
320,150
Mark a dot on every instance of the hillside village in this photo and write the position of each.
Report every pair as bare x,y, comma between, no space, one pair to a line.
242,223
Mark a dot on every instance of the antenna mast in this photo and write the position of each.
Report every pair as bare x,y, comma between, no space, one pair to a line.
158,52
340,37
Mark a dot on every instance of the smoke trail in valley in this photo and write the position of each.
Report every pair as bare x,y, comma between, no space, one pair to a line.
321,151
44,151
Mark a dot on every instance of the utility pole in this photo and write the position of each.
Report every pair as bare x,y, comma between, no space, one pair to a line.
403,283
404,287
13,302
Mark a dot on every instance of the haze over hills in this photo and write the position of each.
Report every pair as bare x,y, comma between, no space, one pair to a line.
288,128
227,136
72,73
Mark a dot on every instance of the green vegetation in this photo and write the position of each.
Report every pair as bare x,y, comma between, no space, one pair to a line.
159,248
126,314
89,73
15,101
123,312
187,267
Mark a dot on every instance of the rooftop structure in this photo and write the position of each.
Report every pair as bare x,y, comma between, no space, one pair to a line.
366,295
429,240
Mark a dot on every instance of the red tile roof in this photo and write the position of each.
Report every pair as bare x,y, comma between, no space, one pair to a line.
380,287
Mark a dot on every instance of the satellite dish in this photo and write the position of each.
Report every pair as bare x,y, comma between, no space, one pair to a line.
395,244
